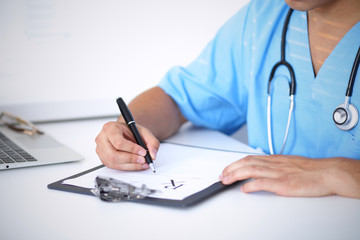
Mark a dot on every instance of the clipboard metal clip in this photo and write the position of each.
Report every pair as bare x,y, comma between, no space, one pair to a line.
112,190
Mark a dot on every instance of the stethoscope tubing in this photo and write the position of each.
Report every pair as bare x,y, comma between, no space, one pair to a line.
349,109
354,69
292,86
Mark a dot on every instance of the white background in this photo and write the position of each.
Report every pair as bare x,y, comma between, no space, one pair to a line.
71,58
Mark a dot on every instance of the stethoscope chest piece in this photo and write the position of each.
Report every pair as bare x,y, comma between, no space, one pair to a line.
346,117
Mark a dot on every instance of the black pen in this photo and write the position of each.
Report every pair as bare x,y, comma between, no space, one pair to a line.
125,112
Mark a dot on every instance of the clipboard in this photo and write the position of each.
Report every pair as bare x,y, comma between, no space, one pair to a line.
190,153
186,202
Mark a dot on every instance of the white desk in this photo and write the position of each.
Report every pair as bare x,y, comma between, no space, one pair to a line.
31,211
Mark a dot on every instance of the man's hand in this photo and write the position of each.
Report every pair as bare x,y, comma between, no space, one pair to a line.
296,176
117,148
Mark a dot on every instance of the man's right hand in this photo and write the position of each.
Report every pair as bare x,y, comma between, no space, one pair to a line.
117,148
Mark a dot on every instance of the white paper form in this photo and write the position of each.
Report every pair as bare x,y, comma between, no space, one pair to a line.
180,171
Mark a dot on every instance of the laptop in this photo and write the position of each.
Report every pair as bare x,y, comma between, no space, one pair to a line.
18,150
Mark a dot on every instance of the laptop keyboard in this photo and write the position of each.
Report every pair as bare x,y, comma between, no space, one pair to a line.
12,153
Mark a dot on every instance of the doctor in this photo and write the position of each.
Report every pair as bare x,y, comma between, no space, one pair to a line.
314,139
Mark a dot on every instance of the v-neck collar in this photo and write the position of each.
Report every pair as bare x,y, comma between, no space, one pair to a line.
339,49
327,89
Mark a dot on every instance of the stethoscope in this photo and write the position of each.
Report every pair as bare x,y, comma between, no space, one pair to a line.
345,116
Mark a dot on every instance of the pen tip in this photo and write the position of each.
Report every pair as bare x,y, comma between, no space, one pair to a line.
152,167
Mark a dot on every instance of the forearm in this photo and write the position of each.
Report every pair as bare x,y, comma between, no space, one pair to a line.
155,110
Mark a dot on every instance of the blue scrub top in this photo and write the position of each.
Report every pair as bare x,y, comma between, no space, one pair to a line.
226,86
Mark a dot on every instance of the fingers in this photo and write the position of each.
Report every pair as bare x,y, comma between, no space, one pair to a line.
267,172
117,148
116,159
250,167
263,184
121,138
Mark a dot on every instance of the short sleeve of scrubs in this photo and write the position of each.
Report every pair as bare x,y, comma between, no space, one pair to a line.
207,91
